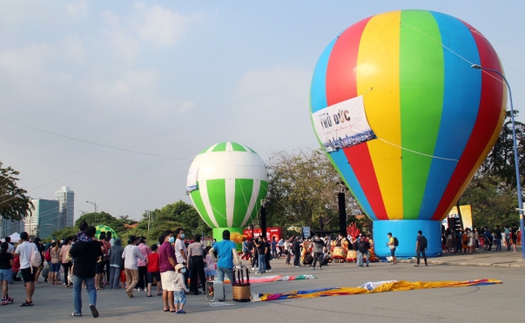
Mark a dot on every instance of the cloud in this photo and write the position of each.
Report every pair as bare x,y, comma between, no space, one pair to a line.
76,10
161,26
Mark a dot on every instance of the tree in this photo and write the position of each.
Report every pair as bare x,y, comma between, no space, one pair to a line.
170,217
302,188
14,204
493,201
492,192
104,218
500,160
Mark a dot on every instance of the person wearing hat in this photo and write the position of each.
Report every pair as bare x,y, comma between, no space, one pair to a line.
179,294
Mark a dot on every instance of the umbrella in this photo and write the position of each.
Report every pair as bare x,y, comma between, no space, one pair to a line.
104,228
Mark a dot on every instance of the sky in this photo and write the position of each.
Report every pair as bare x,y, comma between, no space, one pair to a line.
116,98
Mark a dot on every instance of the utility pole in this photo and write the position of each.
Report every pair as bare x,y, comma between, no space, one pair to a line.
149,218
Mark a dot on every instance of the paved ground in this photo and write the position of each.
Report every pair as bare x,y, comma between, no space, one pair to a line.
468,304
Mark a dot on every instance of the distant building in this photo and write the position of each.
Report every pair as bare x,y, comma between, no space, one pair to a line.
8,227
66,206
45,218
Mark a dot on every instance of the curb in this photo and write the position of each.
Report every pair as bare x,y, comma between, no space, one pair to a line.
453,263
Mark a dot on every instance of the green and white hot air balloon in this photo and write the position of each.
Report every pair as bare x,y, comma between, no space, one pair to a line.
226,183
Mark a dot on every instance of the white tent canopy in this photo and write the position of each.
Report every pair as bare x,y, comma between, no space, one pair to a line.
15,237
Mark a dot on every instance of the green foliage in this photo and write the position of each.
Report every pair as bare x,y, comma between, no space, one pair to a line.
493,201
64,233
14,204
172,216
500,161
303,187
151,226
104,218
492,193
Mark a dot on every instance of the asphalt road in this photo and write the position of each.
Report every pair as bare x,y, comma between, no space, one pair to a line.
495,303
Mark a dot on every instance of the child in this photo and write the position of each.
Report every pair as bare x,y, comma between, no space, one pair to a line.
153,269
179,294
210,269
6,263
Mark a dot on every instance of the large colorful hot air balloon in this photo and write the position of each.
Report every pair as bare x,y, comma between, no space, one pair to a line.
405,119
226,183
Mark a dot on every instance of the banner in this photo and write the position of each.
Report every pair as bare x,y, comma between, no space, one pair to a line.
466,215
342,125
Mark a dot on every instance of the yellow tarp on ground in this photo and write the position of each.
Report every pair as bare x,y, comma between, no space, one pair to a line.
375,287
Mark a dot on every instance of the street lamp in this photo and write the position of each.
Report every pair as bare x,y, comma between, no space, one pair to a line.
515,142
96,209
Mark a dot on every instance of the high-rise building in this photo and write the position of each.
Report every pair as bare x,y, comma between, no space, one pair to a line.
45,218
8,227
66,200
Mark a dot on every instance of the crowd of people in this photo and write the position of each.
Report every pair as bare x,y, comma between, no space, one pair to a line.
468,240
85,261
95,263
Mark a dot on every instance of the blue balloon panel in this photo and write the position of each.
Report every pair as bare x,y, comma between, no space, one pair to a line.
406,233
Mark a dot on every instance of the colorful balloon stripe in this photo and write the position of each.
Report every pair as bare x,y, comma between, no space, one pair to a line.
435,117
376,287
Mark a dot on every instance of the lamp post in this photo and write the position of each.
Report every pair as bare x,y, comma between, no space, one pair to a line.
96,209
515,142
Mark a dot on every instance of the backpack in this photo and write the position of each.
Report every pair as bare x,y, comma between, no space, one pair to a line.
423,243
47,255
36,258
396,242
362,246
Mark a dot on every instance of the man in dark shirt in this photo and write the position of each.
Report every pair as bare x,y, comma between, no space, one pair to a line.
85,255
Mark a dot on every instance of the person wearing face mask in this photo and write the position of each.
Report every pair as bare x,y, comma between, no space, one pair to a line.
181,253
179,295
167,263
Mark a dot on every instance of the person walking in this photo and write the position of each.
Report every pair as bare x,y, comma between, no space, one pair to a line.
392,246
24,251
363,250
296,248
66,260
421,245
196,256
6,274
318,246
130,255
85,255
262,248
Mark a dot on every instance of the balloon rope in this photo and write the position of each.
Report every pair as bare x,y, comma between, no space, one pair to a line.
417,152
440,43
453,52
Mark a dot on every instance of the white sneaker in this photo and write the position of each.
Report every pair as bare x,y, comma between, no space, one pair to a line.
253,268
269,270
